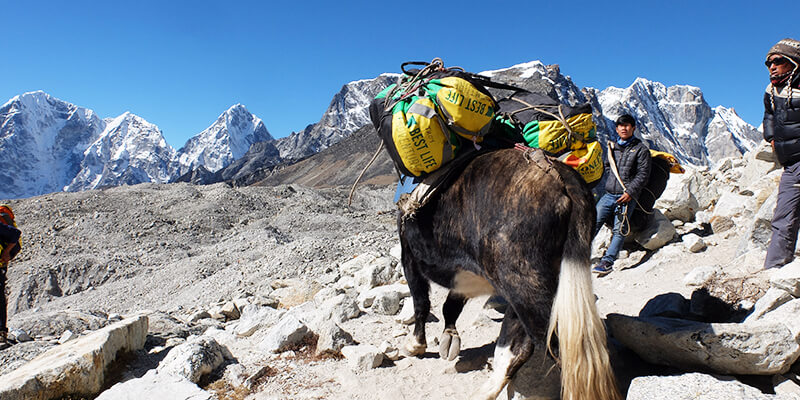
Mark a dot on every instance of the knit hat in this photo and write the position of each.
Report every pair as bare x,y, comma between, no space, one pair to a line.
788,48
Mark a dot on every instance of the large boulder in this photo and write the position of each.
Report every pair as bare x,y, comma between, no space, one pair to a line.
760,348
678,200
658,232
77,368
196,357
290,331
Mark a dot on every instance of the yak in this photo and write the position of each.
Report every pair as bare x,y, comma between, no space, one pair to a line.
518,224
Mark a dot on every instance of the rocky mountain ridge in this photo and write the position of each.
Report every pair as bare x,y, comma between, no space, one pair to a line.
674,119
49,145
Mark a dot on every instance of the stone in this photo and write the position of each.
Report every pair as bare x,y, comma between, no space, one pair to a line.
197,316
165,326
198,356
658,232
379,271
694,243
366,298
784,385
67,336
216,313
758,231
387,303
230,311
340,308
362,357
325,294
787,278
678,201
155,385
235,374
732,205
695,386
726,348
720,223
406,315
331,338
350,267
54,323
78,367
770,301
19,335
786,315
254,317
699,276
288,332
396,251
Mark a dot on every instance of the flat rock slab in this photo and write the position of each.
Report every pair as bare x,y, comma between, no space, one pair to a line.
77,367
734,349
694,386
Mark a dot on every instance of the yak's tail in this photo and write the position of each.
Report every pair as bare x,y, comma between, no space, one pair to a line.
583,355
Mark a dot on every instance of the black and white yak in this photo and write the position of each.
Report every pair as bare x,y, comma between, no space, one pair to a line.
519,225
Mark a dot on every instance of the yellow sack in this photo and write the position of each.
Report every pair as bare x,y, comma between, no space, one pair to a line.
467,110
587,160
552,137
419,136
674,166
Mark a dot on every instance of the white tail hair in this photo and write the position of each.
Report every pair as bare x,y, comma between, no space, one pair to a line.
582,351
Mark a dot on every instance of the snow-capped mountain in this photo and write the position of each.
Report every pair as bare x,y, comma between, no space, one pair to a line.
48,145
129,151
42,140
536,77
347,113
225,141
675,119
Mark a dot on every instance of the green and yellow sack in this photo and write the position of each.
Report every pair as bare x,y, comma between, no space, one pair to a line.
420,118
538,118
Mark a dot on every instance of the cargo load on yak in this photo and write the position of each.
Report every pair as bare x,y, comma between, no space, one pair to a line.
434,114
567,132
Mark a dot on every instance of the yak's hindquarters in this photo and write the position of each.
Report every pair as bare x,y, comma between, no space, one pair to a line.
585,366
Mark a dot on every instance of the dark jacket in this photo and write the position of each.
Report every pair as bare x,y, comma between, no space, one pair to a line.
8,234
633,163
782,122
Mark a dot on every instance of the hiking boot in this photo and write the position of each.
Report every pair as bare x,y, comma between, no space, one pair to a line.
603,268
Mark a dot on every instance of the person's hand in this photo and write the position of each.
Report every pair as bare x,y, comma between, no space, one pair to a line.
624,198
772,142
5,257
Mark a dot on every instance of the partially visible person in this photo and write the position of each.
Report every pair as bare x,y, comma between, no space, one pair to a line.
782,130
630,157
9,247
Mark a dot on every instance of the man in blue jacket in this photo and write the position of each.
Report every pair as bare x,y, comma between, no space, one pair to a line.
782,130
627,164
9,247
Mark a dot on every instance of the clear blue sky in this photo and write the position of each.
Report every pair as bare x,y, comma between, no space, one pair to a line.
179,64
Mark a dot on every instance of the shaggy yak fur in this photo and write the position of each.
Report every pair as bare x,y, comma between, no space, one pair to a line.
517,224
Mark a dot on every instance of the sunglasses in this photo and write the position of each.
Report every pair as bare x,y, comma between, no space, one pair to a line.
776,61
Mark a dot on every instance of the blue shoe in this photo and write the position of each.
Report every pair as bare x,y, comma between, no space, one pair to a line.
603,268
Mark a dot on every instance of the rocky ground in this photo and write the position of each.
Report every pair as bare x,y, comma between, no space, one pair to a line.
262,272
